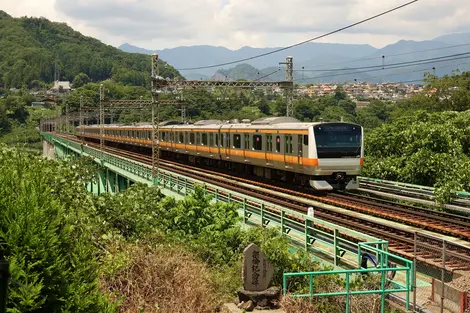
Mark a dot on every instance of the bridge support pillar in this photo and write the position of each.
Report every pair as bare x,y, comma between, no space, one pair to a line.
48,149
111,182
60,152
122,183
102,184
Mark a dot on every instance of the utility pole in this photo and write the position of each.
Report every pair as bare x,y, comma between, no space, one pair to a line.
66,116
155,118
80,123
289,91
102,120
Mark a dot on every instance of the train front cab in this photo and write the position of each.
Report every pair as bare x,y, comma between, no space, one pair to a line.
339,148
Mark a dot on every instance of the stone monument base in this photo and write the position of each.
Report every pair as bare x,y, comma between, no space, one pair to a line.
266,299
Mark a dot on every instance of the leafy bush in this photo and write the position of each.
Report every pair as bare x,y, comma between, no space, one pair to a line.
429,149
45,235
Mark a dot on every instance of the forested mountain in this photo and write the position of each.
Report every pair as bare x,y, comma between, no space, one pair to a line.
194,56
31,47
324,56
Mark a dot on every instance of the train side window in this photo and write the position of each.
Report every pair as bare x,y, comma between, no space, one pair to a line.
191,138
257,142
217,139
306,140
198,138
237,141
211,139
278,144
181,139
228,140
247,141
204,139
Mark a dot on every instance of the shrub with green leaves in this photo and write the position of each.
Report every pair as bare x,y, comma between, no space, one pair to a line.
431,149
45,234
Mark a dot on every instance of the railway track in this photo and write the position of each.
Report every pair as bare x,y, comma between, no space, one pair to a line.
401,240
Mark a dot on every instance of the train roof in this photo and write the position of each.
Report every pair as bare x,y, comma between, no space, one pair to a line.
262,123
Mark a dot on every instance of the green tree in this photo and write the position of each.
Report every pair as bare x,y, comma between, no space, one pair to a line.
80,80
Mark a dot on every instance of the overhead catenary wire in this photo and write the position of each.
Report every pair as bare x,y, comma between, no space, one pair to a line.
419,70
302,42
390,55
385,66
267,75
380,69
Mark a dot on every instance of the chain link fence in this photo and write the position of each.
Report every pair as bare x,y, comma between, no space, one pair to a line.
442,276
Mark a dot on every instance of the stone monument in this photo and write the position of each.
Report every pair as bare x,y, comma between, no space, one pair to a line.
257,273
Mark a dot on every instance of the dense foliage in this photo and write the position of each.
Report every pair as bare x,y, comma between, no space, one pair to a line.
45,235
18,120
431,149
31,47
210,230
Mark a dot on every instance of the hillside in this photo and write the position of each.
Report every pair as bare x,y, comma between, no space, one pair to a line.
32,46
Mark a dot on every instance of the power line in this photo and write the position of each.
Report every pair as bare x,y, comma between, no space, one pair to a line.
267,75
420,70
375,70
393,55
383,67
302,42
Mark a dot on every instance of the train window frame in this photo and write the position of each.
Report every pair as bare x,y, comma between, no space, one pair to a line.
211,139
237,141
305,140
228,140
204,139
257,142
181,137
198,138
217,139
192,138
278,144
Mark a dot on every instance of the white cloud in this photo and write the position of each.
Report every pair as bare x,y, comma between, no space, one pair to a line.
158,24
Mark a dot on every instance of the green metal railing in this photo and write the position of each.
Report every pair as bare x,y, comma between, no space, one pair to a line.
463,194
396,287
312,234
389,267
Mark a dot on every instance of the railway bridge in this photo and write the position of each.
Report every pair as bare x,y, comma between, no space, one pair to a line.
347,240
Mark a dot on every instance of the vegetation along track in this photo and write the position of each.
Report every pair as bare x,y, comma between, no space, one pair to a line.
401,240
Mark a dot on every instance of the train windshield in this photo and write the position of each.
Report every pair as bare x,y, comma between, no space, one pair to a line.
338,140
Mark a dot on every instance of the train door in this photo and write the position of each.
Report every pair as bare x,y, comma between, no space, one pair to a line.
269,153
227,143
300,150
218,143
247,146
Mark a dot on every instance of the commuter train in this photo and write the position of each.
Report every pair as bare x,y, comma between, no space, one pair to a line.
324,155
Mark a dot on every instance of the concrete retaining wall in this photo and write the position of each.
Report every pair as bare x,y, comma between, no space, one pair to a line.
454,300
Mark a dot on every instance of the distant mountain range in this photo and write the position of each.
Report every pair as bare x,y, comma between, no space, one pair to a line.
337,62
